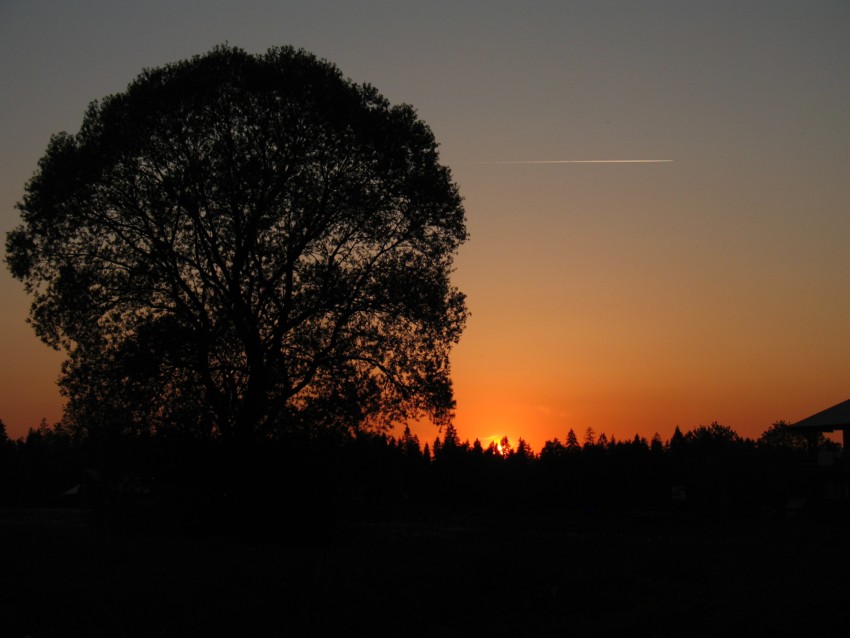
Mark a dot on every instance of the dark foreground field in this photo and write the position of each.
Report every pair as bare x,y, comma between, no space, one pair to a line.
580,574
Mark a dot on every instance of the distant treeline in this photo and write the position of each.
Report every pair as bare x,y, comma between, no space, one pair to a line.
324,473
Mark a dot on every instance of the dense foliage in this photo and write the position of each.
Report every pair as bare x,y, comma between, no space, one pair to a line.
241,246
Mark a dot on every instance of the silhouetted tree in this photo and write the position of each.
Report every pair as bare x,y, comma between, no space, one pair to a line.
715,436
505,448
677,440
243,243
523,452
780,435
451,440
552,450
572,440
715,462
656,445
409,444
437,448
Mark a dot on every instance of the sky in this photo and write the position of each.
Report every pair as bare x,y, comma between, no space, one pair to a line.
626,297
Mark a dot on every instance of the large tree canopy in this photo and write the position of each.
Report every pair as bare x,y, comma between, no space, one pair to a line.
242,243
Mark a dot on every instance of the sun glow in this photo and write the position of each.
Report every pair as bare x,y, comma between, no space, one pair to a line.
496,442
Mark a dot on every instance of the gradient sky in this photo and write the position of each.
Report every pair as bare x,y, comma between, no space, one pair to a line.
628,297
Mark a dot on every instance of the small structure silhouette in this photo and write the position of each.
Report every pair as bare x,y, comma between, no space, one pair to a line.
835,477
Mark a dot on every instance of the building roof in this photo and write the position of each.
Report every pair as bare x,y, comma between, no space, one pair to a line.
834,418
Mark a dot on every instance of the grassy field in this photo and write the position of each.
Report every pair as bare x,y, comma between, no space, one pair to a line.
446,574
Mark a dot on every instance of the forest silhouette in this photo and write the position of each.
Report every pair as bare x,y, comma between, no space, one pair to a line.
309,480
379,535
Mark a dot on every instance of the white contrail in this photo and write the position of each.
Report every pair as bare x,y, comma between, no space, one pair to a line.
616,161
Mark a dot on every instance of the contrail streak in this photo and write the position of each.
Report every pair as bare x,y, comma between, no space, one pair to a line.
617,161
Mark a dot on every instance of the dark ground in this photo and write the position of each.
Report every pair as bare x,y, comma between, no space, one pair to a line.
682,573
